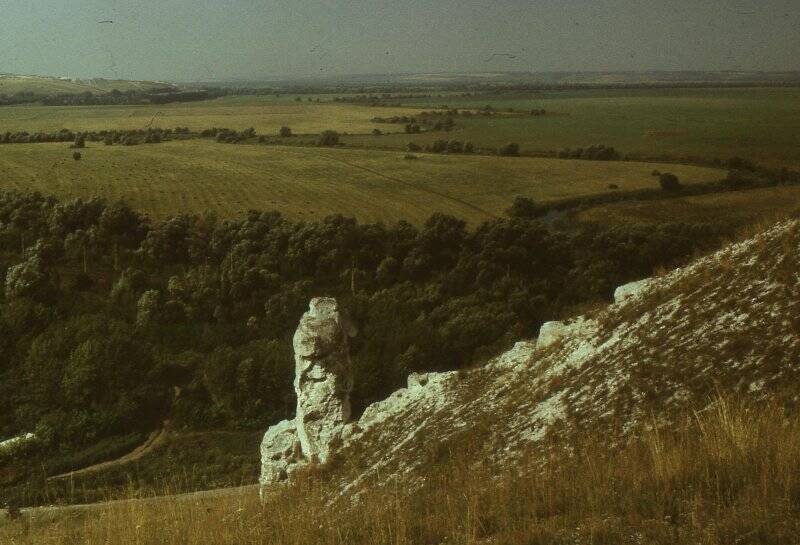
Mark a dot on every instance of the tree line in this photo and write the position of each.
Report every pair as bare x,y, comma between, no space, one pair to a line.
132,97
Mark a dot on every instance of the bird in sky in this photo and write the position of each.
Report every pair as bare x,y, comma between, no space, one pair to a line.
107,22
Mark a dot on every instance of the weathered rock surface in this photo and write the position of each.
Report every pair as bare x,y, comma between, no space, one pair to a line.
602,372
552,332
599,376
323,377
323,381
549,333
631,289
280,451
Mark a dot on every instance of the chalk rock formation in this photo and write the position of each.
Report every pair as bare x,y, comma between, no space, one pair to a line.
631,289
323,378
18,441
551,332
596,377
520,354
323,381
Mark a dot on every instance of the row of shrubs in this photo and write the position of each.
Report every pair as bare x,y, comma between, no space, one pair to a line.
456,146
414,124
444,146
669,186
229,136
110,137
455,112
592,153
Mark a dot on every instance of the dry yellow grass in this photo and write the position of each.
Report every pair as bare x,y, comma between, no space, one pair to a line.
267,115
738,207
730,475
310,183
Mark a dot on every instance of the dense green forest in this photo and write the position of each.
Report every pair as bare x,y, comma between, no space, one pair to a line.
110,323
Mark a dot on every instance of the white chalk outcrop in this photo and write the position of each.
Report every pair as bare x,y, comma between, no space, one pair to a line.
664,348
323,381
323,377
632,289
552,332
15,442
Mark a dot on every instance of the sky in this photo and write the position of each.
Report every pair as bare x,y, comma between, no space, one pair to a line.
206,40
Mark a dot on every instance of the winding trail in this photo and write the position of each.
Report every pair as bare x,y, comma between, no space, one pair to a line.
153,440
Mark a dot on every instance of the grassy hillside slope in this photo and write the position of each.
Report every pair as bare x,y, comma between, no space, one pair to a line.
726,324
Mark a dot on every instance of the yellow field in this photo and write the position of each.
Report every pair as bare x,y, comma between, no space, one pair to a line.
266,115
310,183
737,207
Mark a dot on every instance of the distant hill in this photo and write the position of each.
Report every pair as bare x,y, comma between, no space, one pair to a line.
11,84
499,78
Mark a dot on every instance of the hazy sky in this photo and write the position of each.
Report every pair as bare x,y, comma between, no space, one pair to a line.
218,39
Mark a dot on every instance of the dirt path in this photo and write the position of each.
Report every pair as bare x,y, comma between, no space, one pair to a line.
154,439
54,511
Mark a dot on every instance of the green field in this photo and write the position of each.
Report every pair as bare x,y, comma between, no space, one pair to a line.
265,114
760,124
310,183
372,181
675,124
735,207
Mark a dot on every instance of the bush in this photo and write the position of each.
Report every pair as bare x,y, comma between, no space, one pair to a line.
598,152
13,510
440,146
669,182
454,146
410,156
523,207
509,150
285,132
76,155
414,147
738,163
328,138
377,132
